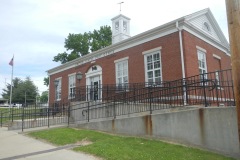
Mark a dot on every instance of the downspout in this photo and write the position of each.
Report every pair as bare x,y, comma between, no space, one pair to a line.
182,62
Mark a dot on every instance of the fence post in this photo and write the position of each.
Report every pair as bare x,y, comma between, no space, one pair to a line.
216,88
12,113
48,115
134,98
1,118
204,90
35,110
114,109
68,115
125,93
22,118
107,92
150,98
184,92
87,93
88,111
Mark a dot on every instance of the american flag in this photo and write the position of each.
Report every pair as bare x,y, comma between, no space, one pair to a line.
11,62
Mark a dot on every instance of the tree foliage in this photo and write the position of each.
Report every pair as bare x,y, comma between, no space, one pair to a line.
101,38
81,44
44,97
46,81
20,87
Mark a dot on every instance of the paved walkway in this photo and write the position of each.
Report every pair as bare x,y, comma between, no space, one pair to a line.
14,145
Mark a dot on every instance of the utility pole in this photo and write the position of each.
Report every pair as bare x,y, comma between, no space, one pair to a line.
233,16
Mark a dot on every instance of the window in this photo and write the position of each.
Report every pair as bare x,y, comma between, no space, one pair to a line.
116,26
124,26
71,86
202,65
122,73
58,89
206,27
153,68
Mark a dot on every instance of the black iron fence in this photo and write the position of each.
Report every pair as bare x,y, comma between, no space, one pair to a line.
33,115
103,101
214,88
210,89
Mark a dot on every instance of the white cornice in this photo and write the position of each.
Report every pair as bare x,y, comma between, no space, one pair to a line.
120,15
207,38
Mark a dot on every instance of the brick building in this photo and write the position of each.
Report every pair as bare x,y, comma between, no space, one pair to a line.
191,45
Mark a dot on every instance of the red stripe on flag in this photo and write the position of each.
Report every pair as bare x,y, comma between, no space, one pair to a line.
11,62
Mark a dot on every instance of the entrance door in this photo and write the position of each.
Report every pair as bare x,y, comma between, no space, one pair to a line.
93,83
95,88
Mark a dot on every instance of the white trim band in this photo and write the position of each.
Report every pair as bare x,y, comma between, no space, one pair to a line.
152,50
201,49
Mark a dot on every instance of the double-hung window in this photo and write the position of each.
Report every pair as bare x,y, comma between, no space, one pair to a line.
71,86
153,67
202,64
121,66
58,89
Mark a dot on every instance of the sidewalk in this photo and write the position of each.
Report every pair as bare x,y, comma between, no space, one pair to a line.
14,145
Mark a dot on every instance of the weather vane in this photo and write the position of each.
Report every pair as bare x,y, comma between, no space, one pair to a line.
120,5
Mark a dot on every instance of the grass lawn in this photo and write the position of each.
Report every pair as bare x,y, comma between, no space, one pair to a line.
113,147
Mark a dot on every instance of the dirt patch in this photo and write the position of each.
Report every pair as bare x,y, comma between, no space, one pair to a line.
84,142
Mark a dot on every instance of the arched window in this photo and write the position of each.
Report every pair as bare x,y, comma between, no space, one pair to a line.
206,27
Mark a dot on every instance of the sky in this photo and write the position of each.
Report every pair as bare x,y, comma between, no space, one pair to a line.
34,31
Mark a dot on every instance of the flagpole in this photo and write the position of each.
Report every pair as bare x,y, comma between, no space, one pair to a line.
11,88
10,106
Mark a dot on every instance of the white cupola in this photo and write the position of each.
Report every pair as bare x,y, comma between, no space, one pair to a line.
120,28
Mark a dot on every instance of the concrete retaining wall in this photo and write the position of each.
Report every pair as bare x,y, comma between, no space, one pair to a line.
211,128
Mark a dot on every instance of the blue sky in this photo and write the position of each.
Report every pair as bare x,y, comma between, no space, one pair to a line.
35,30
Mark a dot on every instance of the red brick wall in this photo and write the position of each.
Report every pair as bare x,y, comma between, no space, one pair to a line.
190,55
170,56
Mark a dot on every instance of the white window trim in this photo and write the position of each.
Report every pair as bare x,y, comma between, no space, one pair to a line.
73,74
58,99
122,59
201,49
216,56
119,61
149,52
152,50
205,59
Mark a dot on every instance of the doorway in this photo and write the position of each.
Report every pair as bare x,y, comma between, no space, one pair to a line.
93,83
95,88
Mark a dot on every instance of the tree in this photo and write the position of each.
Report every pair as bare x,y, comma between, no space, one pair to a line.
80,44
46,81
44,97
20,88
101,38
6,92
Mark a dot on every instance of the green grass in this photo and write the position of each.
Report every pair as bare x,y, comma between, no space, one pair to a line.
112,147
